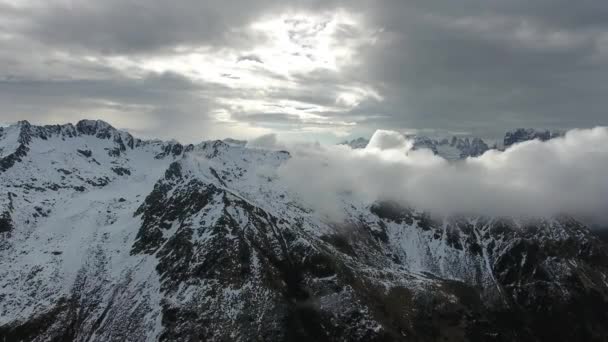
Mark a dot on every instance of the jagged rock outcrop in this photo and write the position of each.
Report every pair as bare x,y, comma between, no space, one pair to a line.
523,134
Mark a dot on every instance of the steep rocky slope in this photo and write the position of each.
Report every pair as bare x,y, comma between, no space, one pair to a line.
104,237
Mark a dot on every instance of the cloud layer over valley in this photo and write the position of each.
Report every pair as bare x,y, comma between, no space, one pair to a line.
564,175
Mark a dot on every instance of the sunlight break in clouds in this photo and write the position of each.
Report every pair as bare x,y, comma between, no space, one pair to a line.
289,48
304,42
289,44
561,176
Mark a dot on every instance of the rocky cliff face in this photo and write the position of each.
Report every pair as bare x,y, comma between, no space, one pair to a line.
523,134
104,237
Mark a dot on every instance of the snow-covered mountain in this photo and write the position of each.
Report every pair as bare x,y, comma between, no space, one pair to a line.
522,134
450,149
105,237
460,147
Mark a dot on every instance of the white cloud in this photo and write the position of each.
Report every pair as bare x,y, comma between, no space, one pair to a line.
561,176
266,141
388,140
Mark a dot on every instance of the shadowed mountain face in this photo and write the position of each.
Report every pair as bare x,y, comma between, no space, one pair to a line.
104,237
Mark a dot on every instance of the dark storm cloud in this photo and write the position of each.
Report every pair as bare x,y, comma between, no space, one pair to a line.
470,65
490,65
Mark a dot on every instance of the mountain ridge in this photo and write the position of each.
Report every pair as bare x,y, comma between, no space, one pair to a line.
460,147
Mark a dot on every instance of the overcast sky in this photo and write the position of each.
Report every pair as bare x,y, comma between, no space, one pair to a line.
324,70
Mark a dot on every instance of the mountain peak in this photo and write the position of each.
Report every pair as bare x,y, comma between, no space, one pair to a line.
356,143
524,134
97,122
99,128
23,123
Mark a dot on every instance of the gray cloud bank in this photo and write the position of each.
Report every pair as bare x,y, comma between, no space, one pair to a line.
561,176
472,65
